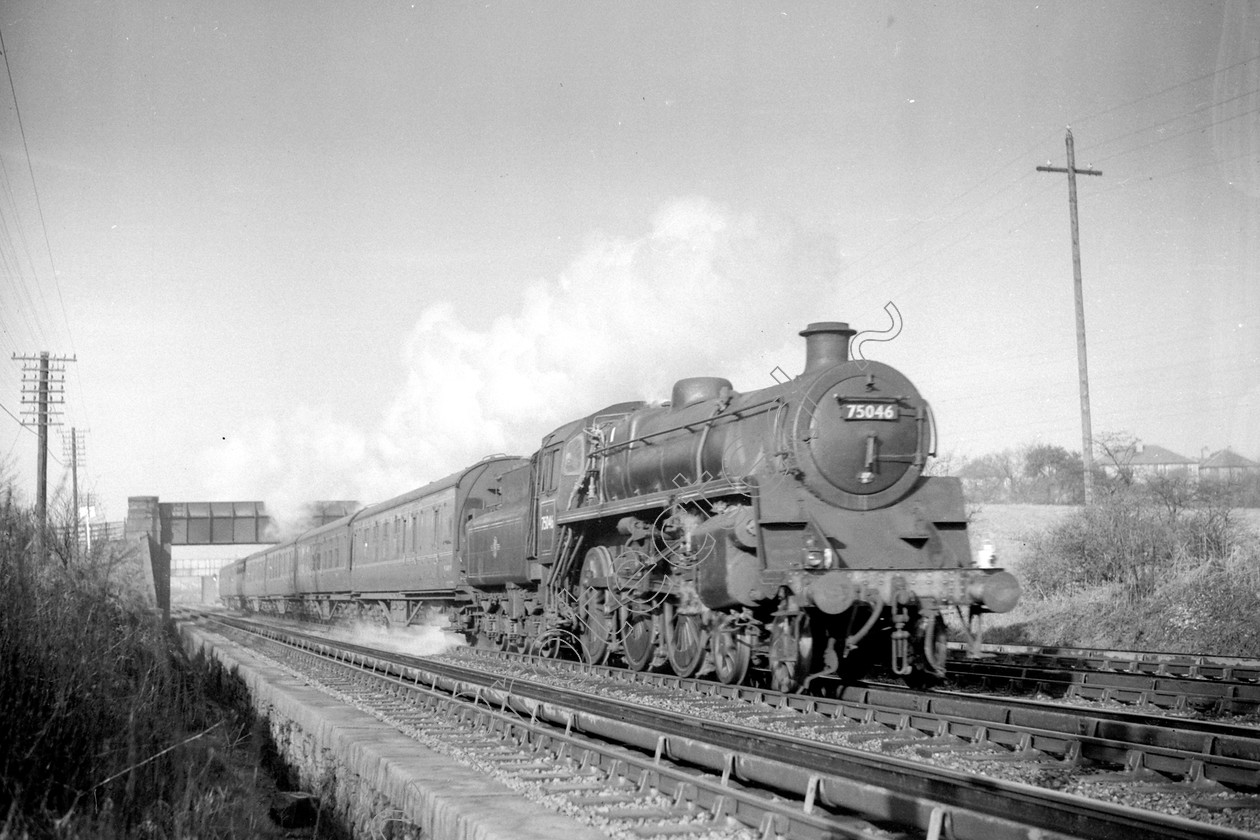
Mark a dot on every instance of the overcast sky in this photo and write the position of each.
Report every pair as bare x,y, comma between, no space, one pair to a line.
310,250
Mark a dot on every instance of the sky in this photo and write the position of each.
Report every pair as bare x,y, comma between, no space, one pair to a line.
326,250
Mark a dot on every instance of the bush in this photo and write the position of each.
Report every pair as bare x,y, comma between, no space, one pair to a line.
1120,541
1157,566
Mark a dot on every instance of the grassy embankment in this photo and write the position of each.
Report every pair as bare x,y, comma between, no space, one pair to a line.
1132,572
106,729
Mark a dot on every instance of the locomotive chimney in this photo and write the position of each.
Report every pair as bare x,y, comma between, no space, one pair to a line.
826,344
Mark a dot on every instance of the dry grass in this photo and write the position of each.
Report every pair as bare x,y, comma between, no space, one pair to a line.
106,729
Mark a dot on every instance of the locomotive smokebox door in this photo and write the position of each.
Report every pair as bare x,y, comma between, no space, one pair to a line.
861,436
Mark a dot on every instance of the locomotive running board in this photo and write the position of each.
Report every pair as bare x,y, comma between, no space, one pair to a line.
661,498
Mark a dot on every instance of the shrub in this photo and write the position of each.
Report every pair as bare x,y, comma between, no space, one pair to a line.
1179,568
1120,540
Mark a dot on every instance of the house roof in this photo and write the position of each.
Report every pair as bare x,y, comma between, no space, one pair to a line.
1153,455
1226,459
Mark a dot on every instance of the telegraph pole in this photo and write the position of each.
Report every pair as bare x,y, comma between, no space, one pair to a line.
74,484
1087,436
45,392
72,448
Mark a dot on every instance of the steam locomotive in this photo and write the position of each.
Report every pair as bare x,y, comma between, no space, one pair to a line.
788,532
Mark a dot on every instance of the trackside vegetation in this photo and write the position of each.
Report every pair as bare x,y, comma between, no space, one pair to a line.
1160,563
106,729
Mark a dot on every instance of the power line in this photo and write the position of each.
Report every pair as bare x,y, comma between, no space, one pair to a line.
1171,120
52,263
1169,89
1191,130
1012,161
19,420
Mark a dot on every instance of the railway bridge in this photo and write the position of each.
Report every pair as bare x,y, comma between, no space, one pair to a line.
173,550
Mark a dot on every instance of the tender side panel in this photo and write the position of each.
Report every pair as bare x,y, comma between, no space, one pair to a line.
496,552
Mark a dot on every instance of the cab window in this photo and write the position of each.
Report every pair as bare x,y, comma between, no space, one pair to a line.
573,456
550,471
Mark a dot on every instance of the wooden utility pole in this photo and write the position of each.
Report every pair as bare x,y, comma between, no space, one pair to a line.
45,392
74,484
72,448
1087,435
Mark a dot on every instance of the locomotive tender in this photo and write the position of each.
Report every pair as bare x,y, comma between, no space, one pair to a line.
789,529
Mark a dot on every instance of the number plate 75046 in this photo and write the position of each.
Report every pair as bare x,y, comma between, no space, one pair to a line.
869,411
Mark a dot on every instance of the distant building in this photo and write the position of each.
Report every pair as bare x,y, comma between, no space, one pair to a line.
1227,465
1148,459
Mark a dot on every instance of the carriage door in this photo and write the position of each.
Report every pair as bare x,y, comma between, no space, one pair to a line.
548,486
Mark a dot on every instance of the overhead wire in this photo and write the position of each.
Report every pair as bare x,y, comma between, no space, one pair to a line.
17,110
1128,182
52,263
13,270
1161,123
1010,210
32,431
1211,74
1192,130
903,235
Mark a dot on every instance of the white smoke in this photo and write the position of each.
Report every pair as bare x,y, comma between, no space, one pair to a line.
705,292
432,638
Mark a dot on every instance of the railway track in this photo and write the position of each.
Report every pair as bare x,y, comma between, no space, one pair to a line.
1178,682
679,760
1195,760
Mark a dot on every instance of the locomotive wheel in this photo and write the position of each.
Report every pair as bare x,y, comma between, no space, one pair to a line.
596,627
731,646
687,644
552,644
638,636
791,652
